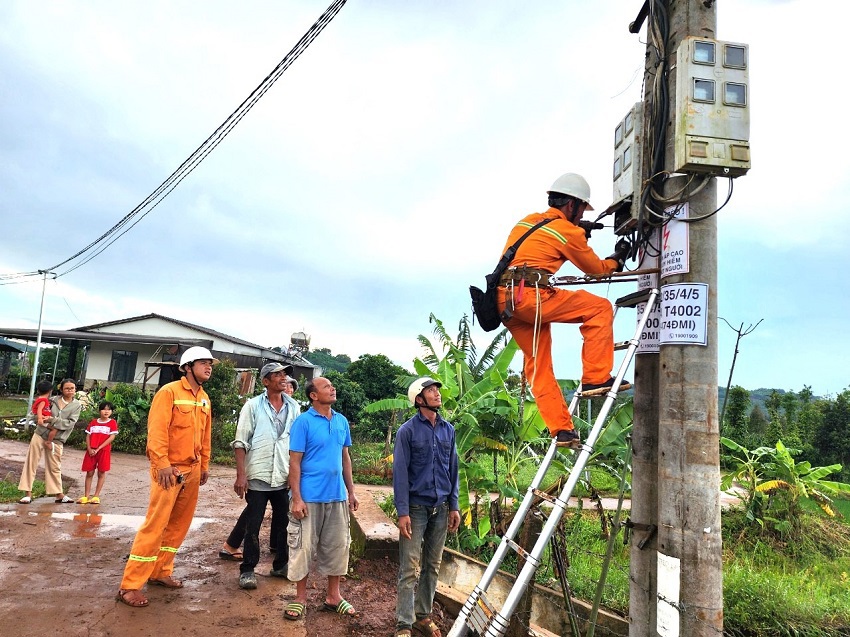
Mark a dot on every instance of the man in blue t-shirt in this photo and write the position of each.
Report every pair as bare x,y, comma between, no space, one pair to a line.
322,491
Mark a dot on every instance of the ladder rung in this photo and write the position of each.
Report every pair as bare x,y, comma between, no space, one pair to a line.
479,618
634,299
543,495
516,547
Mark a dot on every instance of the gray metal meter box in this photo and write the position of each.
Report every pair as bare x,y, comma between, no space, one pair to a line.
628,156
712,107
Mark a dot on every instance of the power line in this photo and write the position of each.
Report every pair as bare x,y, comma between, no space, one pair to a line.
129,221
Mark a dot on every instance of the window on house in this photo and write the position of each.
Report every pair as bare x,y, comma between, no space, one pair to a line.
122,369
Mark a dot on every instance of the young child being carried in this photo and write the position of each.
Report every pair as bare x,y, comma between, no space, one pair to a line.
41,411
99,436
41,404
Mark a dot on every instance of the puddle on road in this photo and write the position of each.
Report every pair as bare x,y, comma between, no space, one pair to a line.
90,525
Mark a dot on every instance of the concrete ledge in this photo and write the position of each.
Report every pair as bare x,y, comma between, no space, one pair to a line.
373,535
459,574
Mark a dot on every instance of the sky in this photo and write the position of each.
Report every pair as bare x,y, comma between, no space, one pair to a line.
379,177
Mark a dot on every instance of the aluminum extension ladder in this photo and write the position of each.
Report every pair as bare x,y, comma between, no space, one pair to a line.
478,613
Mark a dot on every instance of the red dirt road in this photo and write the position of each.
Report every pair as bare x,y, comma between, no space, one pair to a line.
60,567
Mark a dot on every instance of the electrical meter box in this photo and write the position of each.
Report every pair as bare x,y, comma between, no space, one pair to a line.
628,158
712,107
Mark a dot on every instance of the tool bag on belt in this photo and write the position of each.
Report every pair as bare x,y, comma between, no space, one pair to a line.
484,304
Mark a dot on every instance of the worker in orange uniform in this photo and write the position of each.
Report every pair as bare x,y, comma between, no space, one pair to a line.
529,304
179,430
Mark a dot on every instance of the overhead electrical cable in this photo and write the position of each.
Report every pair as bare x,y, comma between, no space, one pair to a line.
138,213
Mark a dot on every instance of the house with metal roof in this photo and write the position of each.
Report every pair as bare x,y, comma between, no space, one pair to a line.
144,350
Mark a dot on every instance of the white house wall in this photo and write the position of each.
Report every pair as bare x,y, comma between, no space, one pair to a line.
100,358
158,327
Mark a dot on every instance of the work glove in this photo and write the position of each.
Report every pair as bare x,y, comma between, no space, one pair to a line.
621,252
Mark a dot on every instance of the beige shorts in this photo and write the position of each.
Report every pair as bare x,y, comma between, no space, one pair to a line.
322,539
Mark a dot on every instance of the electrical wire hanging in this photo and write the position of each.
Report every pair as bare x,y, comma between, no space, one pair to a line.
129,221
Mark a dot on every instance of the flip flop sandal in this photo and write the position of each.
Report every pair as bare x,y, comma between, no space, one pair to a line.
94,500
25,500
84,500
429,629
236,556
294,611
343,608
122,597
167,582
64,500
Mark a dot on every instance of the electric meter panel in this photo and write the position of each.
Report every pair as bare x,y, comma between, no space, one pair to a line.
712,107
628,154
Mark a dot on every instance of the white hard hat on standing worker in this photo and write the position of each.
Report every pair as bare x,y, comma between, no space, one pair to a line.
196,354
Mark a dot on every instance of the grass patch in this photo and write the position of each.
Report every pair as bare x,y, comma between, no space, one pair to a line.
12,407
9,490
774,587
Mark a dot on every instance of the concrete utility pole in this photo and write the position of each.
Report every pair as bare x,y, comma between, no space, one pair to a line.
689,542
644,511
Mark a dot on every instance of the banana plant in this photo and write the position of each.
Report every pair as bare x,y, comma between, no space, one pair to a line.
772,484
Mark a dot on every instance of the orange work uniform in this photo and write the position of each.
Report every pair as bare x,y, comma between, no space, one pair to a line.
179,435
547,248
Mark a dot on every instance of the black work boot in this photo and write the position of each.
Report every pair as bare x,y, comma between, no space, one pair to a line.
568,438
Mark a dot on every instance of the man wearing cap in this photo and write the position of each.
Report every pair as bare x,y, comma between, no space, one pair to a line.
179,442
529,304
425,487
262,471
322,498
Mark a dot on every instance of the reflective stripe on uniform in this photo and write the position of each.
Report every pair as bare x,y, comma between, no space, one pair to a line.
141,558
546,229
188,402
168,549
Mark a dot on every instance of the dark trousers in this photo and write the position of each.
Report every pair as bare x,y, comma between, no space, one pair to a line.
255,509
237,535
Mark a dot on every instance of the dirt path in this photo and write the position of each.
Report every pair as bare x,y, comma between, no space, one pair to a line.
60,567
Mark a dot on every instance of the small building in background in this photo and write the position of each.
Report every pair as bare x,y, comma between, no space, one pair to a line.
145,351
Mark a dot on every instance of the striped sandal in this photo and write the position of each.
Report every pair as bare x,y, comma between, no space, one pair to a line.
294,610
343,608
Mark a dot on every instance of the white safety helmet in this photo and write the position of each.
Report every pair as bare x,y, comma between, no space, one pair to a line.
572,185
418,385
196,354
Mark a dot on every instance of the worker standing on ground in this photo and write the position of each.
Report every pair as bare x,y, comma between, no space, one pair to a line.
179,439
425,488
529,304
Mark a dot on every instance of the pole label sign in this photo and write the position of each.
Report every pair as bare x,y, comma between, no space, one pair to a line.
675,234
684,314
649,336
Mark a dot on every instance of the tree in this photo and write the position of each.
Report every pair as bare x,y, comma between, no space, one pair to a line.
832,439
327,361
350,398
735,425
775,428
757,427
377,376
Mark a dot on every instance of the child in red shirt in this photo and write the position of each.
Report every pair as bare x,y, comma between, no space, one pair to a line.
41,405
99,436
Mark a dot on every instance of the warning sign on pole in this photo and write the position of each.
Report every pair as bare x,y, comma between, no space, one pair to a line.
649,336
675,256
684,314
